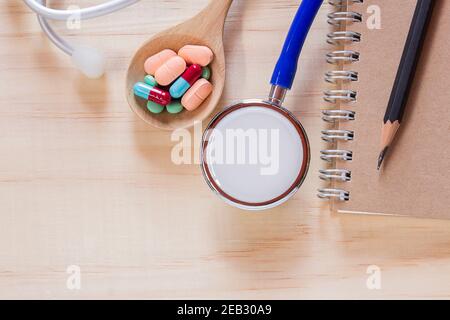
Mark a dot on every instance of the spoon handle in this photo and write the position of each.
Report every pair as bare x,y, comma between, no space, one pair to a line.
211,20
286,68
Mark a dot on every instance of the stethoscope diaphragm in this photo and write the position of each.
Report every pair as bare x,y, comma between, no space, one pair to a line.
255,155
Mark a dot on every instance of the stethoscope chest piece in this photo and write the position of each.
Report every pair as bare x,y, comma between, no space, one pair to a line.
255,154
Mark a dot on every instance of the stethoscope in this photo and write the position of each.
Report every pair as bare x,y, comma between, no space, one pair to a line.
245,185
88,60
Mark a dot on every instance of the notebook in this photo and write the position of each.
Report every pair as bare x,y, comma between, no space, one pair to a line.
414,179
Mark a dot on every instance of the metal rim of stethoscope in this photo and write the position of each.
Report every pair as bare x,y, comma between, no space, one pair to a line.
300,177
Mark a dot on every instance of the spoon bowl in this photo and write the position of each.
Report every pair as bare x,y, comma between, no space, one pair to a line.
205,29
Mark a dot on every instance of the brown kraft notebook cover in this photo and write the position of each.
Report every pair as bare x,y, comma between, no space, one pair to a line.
414,179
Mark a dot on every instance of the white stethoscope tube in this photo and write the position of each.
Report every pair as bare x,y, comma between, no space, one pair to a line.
52,35
88,60
86,13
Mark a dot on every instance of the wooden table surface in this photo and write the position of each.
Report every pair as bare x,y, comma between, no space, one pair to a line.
84,182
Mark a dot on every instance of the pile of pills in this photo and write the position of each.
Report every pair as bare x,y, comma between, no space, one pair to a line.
176,81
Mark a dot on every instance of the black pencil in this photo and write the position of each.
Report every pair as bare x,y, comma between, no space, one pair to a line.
405,75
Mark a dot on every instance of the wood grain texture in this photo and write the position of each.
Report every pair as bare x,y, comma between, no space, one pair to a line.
84,182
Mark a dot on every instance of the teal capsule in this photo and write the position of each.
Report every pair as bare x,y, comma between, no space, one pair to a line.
141,90
179,88
150,80
206,73
154,107
175,107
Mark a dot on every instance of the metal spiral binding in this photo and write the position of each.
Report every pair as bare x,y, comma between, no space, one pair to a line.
346,56
338,115
334,193
333,135
335,76
337,37
332,154
333,96
341,18
335,174
337,18
343,3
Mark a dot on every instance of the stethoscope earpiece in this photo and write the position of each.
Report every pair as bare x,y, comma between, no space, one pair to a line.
88,60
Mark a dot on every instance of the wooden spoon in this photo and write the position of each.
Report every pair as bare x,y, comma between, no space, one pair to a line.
206,29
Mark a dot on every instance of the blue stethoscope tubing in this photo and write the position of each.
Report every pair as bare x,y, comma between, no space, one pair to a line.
286,67
282,80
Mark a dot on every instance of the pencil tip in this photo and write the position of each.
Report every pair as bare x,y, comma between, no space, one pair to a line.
381,157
